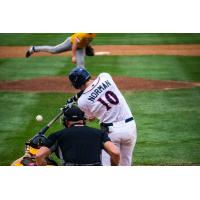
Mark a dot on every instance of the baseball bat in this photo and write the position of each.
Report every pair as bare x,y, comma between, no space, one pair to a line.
44,129
68,102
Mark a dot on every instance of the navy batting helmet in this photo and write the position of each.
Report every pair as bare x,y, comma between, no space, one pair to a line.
78,76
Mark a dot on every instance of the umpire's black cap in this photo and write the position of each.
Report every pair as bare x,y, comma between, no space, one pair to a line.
74,114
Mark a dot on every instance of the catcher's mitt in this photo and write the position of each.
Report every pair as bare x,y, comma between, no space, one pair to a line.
89,51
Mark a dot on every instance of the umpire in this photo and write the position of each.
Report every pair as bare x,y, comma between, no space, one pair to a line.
78,144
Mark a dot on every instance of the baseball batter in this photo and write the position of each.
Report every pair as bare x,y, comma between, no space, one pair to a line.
75,43
102,99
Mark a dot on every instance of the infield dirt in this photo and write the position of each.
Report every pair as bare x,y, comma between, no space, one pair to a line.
183,50
61,84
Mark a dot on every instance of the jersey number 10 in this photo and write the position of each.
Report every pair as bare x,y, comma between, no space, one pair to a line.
111,98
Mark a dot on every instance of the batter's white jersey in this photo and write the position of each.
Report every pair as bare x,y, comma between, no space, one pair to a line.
103,100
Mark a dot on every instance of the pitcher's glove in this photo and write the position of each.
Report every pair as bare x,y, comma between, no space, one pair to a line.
89,51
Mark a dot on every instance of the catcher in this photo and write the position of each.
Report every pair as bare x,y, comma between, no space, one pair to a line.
32,147
78,144
78,43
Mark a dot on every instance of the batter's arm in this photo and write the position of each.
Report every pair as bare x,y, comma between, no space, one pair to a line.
74,98
84,107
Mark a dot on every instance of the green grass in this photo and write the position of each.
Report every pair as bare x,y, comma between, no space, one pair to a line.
152,67
20,39
21,68
167,122
17,120
15,116
182,68
168,127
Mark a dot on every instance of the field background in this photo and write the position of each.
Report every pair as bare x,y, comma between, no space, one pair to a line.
168,122
102,39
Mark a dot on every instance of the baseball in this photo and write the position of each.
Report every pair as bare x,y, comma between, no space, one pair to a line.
39,118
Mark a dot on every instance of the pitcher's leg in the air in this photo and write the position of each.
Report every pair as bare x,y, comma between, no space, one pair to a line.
64,46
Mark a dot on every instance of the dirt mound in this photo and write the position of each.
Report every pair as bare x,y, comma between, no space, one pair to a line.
61,84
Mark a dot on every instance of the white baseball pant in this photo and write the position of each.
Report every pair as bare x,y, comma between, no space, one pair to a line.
64,46
124,136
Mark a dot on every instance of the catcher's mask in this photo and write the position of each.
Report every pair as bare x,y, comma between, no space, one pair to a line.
73,114
78,76
34,144
37,141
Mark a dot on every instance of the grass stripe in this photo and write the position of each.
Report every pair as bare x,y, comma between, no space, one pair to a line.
24,39
179,68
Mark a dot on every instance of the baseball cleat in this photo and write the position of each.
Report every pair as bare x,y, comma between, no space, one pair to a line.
30,51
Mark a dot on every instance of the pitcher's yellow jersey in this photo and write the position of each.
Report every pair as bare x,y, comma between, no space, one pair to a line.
83,39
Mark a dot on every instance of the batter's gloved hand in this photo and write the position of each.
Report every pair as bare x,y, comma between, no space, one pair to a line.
68,105
72,100
89,51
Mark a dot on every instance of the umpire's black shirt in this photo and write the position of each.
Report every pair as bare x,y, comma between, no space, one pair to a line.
78,144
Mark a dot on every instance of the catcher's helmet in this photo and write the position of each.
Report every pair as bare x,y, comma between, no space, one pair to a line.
78,76
38,141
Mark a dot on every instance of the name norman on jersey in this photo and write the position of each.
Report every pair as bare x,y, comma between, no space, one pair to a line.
99,90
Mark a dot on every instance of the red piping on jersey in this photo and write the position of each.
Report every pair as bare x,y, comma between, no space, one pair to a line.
93,87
